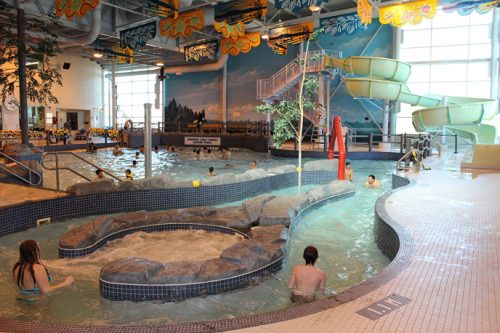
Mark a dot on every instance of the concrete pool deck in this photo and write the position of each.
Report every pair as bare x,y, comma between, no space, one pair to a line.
452,281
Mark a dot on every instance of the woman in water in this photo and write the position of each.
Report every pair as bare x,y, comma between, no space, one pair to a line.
30,274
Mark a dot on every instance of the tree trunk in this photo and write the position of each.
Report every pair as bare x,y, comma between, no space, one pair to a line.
21,58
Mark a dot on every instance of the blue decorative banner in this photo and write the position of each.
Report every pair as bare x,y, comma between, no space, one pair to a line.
297,5
467,7
137,36
346,24
201,51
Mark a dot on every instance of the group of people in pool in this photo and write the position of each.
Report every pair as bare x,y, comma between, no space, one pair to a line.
370,181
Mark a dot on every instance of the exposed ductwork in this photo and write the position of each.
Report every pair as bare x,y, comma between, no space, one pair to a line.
89,37
215,66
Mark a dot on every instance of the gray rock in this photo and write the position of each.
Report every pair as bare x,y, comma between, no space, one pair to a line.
254,206
81,236
177,272
235,217
251,174
181,184
214,269
158,182
270,234
130,220
185,213
321,165
225,178
105,185
103,226
158,217
282,169
130,270
276,210
329,190
247,253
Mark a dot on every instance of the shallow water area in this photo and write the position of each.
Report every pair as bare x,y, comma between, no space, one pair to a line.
342,230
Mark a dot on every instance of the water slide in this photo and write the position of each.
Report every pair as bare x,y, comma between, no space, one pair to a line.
385,78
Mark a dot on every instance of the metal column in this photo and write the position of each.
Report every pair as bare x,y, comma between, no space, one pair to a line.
147,140
113,96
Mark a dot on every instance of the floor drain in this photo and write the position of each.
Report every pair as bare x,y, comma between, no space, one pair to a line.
42,222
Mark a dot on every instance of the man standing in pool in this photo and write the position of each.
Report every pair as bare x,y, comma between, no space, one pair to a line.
306,279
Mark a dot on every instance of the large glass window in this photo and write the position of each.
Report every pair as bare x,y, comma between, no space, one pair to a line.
450,56
132,92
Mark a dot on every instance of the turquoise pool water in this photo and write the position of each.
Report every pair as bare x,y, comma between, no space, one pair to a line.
342,230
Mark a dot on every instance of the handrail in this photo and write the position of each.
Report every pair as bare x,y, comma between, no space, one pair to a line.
18,163
407,155
57,168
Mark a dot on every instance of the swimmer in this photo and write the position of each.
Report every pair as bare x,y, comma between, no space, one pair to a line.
137,154
348,172
134,163
99,174
253,165
31,275
306,279
157,149
211,172
117,150
128,175
141,150
372,182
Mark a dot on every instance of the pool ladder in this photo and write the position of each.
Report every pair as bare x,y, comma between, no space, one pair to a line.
57,168
404,162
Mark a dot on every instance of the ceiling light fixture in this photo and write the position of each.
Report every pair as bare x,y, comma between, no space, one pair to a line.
265,35
98,54
314,8
159,64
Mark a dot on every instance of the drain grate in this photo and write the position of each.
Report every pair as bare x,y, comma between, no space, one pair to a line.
384,306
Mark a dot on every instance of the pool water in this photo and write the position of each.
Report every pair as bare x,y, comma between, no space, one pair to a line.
342,230
181,165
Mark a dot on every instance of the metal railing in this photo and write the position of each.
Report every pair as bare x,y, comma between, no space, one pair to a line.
22,166
414,155
57,168
289,75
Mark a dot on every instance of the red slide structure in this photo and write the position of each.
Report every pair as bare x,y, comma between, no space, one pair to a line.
336,133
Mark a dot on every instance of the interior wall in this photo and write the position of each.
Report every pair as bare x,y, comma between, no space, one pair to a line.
81,90
202,91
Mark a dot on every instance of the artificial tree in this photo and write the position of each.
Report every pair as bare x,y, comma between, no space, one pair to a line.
23,40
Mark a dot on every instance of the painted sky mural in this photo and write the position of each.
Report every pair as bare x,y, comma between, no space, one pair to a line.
203,90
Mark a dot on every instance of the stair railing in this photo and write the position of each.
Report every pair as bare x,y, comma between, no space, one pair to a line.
31,172
57,168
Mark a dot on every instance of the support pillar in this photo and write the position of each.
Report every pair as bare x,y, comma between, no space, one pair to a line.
495,48
114,114
385,122
147,140
321,89
328,122
224,94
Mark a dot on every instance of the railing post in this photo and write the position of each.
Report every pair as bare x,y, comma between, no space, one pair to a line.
370,142
401,143
57,171
346,145
456,144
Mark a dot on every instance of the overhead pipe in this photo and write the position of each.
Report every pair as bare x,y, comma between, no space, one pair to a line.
91,35
215,66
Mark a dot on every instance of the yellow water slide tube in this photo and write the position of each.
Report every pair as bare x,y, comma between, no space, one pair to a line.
383,78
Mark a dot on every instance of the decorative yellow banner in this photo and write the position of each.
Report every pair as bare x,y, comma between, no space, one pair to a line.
242,44
70,8
123,56
412,12
183,25
365,12
230,31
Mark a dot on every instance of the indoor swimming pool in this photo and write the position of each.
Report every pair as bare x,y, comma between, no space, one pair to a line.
342,230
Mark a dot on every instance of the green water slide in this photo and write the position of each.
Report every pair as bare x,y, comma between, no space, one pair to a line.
384,78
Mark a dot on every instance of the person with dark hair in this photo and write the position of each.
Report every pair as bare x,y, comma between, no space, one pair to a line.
31,275
99,174
128,175
134,163
348,172
253,165
307,279
372,182
211,172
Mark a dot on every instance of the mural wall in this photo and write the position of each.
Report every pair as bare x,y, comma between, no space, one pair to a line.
202,91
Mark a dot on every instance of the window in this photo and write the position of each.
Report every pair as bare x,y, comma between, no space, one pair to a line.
450,55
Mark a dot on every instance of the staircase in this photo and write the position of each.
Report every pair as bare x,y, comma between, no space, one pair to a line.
277,86
20,172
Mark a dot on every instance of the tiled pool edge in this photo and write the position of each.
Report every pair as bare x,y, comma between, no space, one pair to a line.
385,225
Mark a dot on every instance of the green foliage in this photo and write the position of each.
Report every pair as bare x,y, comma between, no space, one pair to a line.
176,112
41,45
